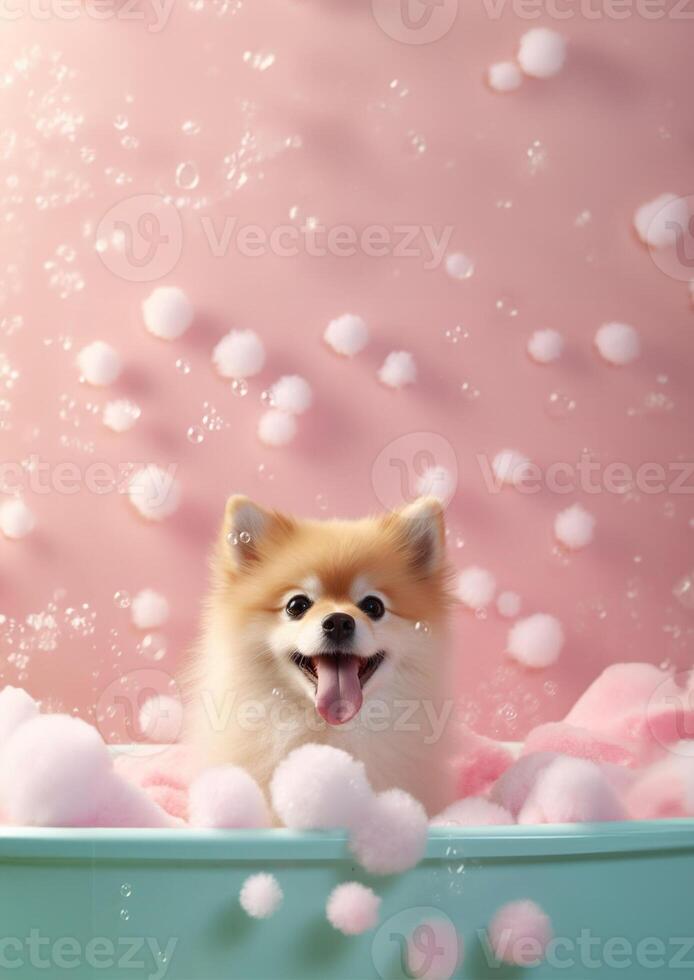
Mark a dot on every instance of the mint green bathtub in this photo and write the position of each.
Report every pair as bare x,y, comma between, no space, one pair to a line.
131,904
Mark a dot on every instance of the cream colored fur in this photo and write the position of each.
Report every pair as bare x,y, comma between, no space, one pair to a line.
250,705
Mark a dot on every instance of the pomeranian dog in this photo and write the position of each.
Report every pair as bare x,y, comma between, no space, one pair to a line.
332,632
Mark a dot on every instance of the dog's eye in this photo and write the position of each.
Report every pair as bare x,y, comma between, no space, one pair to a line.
372,606
297,606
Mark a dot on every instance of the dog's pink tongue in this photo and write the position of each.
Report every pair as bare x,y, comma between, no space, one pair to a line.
338,695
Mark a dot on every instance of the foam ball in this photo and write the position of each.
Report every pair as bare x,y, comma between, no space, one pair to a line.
261,896
353,908
276,428
99,363
347,335
149,609
392,835
574,527
318,787
167,312
513,787
520,933
475,811
536,641
154,493
618,343
398,369
542,52
508,604
16,708
53,771
545,346
664,790
571,790
476,587
292,394
240,354
16,520
227,797
459,266
504,76
660,222
510,467
436,481
120,415
161,719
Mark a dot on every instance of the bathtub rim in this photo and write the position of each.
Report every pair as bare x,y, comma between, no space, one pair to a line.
252,846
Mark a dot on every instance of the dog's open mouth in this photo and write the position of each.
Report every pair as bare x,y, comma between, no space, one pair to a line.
339,679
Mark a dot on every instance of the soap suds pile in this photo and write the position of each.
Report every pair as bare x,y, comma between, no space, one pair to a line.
618,755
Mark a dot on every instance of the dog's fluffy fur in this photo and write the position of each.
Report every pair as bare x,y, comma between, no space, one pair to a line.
252,702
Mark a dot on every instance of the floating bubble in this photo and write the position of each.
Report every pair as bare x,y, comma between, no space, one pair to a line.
537,157
559,405
187,176
153,647
239,387
470,391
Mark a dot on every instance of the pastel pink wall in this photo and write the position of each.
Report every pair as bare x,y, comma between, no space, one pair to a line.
348,125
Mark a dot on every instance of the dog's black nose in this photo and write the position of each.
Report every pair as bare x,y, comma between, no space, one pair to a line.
339,627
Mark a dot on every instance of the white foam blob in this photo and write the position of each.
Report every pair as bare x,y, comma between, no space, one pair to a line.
239,354
149,609
536,641
99,363
292,394
510,467
662,221
436,481
545,346
154,493
276,428
261,895
574,527
16,519
476,587
398,369
618,343
504,76
542,52
347,334
120,415
167,312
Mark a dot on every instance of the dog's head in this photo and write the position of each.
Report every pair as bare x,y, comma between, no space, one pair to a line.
337,606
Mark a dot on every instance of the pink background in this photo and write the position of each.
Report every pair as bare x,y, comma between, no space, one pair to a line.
348,125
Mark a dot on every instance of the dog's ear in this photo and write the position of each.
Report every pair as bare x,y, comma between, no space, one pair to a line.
247,530
425,533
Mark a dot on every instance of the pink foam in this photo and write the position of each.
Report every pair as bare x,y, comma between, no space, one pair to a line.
481,762
580,743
